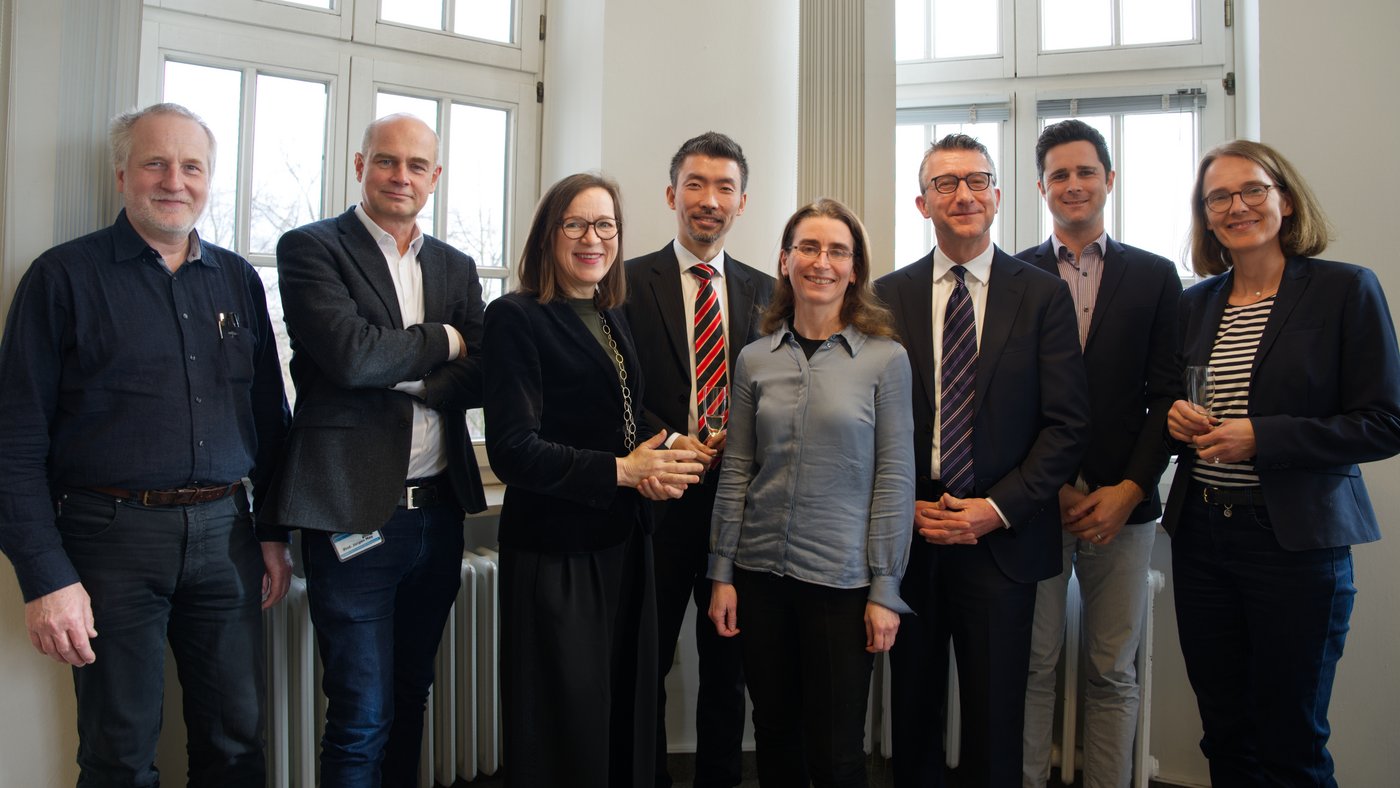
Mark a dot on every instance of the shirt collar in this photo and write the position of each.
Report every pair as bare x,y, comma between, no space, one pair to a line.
850,336
1057,244
689,260
979,267
379,233
129,245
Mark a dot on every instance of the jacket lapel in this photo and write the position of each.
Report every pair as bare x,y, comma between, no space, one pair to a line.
917,298
433,264
739,288
365,255
1113,272
1296,273
1004,293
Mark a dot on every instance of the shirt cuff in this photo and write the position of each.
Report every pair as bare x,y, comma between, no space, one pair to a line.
721,569
414,388
884,591
671,439
454,342
1005,523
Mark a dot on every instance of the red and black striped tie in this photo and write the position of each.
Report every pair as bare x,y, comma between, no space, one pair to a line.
710,369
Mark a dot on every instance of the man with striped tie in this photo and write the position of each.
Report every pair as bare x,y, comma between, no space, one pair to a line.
1001,417
692,307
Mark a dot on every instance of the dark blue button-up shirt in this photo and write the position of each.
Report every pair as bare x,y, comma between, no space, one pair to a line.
115,372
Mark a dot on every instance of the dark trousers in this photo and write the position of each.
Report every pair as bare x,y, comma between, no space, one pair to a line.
682,546
379,617
578,667
1262,629
809,677
192,574
959,592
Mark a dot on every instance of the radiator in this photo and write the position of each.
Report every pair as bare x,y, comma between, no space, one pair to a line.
1065,748
461,725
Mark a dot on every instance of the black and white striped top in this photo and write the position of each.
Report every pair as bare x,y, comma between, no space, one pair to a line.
1232,359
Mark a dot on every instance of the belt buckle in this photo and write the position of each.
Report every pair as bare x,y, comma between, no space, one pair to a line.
409,493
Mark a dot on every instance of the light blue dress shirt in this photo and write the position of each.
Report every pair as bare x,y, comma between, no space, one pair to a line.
817,482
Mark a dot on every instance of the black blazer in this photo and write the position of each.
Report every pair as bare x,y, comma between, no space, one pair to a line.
554,426
657,313
348,450
1031,419
1324,395
1130,361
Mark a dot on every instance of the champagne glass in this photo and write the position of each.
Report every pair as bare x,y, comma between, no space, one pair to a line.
1200,389
715,403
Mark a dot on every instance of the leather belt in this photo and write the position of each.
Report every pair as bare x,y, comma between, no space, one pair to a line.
429,491
1226,496
184,496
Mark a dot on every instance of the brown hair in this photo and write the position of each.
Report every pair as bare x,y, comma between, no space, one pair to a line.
861,307
1303,233
539,274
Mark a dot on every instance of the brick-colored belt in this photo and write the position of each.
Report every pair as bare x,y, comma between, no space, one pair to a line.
184,496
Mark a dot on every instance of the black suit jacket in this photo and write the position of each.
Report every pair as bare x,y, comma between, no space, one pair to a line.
1031,418
554,426
656,310
1324,395
1130,361
348,451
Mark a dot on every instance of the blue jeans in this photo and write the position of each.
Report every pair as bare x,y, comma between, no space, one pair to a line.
1113,592
379,617
192,574
1262,629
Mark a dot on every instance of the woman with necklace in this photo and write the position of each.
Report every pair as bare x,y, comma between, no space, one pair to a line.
563,431
1268,498
815,507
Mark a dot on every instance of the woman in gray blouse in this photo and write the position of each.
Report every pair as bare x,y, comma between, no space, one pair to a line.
813,516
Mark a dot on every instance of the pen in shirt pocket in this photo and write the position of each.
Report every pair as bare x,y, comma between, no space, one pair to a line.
228,324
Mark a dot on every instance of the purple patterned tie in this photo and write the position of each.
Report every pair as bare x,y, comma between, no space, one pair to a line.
959,375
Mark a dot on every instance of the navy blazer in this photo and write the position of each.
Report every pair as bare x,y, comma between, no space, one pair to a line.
657,315
348,450
1324,395
1031,408
554,426
1130,359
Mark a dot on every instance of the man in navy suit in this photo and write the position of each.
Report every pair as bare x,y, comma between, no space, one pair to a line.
977,556
1125,301
709,183
386,326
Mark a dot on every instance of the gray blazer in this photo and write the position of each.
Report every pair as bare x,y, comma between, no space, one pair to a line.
348,450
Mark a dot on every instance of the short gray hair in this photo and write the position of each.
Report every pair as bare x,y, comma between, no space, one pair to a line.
120,131
377,122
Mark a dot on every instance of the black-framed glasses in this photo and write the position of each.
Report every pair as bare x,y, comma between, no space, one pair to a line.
812,252
1251,195
575,228
976,181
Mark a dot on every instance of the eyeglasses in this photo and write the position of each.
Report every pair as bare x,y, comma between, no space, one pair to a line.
812,253
576,228
976,181
1252,195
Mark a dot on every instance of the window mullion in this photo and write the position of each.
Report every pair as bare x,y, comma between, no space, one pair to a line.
244,189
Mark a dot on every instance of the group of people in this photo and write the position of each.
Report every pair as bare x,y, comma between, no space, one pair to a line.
830,467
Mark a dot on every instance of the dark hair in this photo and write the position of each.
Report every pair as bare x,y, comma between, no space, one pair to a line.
861,307
716,146
1066,131
1304,233
539,274
955,142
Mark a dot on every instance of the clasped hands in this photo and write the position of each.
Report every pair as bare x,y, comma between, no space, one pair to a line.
1215,440
951,520
660,473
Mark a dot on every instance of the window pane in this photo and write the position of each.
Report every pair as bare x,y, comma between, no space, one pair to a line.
491,287
476,179
326,4
289,158
1158,21
1076,24
911,32
488,19
966,28
419,13
427,111
279,327
1155,178
215,94
1104,124
914,235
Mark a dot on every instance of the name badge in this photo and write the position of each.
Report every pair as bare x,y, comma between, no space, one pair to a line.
348,546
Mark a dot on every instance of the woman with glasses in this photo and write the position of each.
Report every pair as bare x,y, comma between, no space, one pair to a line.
1303,384
813,516
563,431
